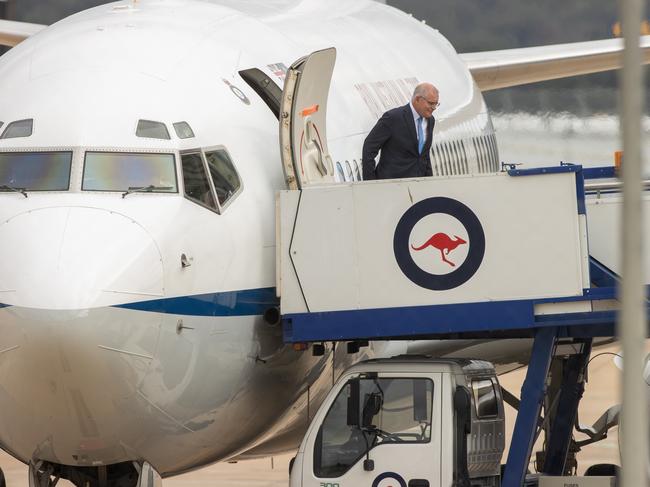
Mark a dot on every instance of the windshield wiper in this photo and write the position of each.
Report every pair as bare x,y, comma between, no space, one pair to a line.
14,189
145,189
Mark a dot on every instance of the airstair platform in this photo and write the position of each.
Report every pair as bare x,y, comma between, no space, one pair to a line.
499,255
490,256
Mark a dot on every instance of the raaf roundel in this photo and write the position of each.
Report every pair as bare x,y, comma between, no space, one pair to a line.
442,242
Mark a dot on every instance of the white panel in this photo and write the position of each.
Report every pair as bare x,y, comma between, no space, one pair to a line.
557,308
605,238
290,292
577,481
323,250
278,246
606,305
584,251
344,238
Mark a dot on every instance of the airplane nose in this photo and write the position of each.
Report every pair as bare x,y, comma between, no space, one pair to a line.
76,258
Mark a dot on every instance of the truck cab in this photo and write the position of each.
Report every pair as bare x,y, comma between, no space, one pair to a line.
406,421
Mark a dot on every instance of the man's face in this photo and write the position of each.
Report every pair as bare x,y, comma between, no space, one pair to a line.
426,104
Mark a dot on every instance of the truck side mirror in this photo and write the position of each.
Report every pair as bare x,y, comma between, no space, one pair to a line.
463,409
371,407
353,403
420,401
462,406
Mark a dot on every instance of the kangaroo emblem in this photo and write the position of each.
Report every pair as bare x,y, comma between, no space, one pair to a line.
444,244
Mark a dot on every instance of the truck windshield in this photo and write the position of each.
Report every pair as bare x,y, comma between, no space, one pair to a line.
35,171
130,172
401,413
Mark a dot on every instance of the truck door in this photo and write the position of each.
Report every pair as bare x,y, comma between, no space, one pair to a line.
303,129
395,441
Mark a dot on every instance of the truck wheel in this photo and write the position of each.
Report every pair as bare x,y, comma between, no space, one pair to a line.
2,479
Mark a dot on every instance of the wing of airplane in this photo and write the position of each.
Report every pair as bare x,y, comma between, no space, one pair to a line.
11,33
512,67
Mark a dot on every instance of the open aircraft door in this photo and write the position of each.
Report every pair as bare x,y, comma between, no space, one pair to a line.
303,120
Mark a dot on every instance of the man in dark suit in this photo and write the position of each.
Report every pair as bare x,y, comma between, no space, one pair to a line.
403,135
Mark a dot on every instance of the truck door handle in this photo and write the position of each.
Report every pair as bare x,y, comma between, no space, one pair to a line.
418,483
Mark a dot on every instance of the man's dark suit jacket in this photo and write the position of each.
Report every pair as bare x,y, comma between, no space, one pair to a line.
395,135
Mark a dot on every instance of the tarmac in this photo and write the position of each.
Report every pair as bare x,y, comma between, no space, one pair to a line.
602,391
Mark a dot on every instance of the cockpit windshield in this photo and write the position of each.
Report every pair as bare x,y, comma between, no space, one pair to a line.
128,172
35,171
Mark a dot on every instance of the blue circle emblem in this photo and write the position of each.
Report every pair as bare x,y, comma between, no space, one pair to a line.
389,475
441,242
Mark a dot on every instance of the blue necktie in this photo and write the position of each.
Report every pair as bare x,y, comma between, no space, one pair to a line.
420,136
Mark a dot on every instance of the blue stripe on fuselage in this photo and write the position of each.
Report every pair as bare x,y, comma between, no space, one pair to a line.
246,302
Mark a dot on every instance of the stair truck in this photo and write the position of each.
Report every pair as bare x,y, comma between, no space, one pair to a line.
406,422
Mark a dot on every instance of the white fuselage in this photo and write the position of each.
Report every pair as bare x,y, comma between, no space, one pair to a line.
110,349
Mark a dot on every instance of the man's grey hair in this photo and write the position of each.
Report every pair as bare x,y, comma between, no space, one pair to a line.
422,89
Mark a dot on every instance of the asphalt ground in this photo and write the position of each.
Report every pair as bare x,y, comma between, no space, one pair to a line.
602,391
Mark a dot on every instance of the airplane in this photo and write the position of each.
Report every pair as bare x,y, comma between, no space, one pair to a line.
139,161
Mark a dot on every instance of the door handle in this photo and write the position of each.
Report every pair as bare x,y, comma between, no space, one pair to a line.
418,483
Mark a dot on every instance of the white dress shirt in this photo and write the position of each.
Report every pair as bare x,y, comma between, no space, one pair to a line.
425,122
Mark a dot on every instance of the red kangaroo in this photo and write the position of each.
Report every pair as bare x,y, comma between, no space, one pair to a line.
444,244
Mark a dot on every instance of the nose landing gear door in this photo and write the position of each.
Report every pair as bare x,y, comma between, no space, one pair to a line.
303,136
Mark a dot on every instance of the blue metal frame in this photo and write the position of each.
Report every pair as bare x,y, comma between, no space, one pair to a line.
604,172
500,318
601,275
546,170
561,430
561,169
532,396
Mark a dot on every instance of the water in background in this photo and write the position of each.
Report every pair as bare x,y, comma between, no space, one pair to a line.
546,139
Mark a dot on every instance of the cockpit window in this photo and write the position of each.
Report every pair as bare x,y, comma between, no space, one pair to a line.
19,128
195,179
223,173
35,171
123,171
152,130
183,130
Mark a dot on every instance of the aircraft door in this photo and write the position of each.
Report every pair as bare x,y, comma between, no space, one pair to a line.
303,120
381,431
